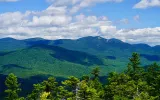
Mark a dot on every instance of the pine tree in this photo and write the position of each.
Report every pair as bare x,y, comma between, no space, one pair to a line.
13,88
96,72
62,93
156,86
95,82
142,91
153,70
83,86
72,86
119,85
134,69
129,70
135,61
51,87
38,89
86,78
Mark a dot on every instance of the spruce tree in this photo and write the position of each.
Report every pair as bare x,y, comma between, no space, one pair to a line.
135,61
38,89
51,87
13,87
72,86
134,69
96,72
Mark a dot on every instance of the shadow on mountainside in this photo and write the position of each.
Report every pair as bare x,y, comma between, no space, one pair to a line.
72,56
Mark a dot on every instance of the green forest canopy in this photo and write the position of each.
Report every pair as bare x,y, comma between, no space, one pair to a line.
135,83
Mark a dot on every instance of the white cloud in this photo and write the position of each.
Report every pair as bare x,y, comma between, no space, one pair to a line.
87,3
12,19
56,22
147,3
145,35
46,25
49,20
61,25
52,10
9,0
108,30
79,4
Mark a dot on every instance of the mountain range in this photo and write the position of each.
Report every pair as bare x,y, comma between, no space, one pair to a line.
66,57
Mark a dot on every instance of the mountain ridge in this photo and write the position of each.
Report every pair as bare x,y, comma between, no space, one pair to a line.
94,37
82,53
66,57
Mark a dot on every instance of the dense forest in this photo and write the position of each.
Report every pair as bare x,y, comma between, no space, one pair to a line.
135,83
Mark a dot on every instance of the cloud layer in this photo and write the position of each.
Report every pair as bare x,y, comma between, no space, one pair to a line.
58,22
147,3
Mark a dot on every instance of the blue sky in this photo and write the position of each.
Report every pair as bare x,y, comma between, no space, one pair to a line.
133,21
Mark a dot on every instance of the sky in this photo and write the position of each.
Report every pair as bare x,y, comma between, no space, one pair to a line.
132,21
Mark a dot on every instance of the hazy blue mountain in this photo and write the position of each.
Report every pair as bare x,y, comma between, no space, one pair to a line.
83,44
10,44
113,52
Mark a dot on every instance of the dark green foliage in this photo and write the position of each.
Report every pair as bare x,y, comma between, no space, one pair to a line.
37,90
134,69
13,87
76,57
71,85
40,60
136,83
135,62
96,72
36,56
49,85
152,78
50,60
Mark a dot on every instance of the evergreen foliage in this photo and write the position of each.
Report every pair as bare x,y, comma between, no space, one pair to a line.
136,83
13,88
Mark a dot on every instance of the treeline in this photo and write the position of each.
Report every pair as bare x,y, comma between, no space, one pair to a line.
135,83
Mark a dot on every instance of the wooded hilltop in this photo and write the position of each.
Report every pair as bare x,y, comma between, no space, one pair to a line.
135,83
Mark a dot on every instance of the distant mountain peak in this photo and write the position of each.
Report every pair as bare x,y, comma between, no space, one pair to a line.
99,38
88,37
115,40
34,39
141,45
8,38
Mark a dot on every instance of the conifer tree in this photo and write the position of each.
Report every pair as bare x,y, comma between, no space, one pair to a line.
13,87
72,86
95,72
62,93
156,86
134,69
38,89
50,87
135,61
95,83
